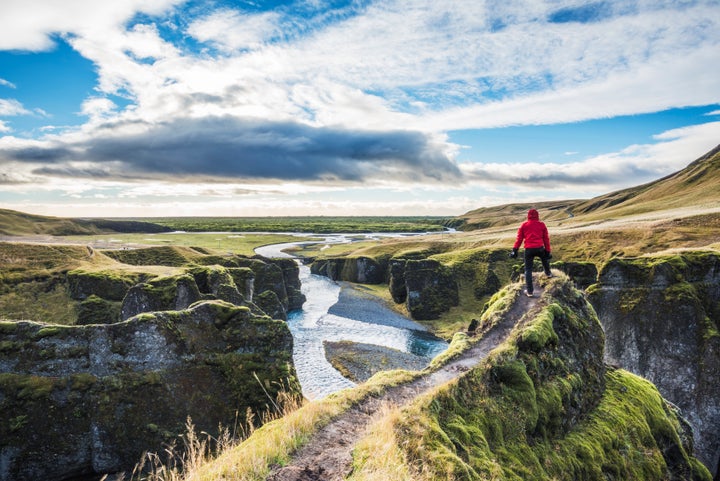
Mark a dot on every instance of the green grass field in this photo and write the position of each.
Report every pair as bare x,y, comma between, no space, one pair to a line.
303,224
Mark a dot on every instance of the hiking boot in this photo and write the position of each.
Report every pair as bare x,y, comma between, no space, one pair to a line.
549,275
529,294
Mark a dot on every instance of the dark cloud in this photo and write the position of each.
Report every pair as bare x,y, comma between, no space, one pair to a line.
67,171
40,154
227,147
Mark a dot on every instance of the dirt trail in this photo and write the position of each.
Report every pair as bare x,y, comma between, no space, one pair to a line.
328,456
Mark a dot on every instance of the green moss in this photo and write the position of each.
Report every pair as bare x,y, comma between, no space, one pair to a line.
10,346
681,293
154,256
631,298
82,381
27,387
95,310
39,299
7,327
18,422
106,284
540,334
48,331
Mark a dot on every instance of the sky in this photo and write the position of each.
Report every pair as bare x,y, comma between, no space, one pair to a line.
147,108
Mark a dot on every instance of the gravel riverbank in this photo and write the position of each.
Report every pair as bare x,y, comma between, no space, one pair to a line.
359,361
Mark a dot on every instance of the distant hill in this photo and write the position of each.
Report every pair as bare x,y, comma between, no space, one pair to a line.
697,185
18,223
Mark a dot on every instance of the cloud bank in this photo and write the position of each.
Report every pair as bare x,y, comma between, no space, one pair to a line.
227,148
303,93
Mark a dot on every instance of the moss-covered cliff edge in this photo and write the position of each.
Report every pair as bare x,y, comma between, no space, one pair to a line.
661,316
544,406
541,406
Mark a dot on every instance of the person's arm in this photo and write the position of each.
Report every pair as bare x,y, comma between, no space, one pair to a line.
546,239
519,238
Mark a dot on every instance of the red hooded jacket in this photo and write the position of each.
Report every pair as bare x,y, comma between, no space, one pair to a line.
533,232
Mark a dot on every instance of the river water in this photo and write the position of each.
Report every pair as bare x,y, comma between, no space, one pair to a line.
322,318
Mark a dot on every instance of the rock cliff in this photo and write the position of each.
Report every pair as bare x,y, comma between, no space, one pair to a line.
661,317
144,353
545,406
360,269
430,284
79,400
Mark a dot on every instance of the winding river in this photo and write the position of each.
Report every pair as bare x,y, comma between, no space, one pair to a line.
322,318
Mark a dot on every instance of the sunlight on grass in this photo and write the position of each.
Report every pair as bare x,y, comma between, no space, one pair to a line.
241,244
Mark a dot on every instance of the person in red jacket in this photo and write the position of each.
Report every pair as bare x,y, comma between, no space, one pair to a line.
537,244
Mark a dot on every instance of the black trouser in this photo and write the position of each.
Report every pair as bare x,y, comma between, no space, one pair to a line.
530,255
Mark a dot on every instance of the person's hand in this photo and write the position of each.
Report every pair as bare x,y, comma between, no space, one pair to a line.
548,255
513,254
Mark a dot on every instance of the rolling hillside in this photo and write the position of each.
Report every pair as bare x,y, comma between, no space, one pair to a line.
16,223
695,186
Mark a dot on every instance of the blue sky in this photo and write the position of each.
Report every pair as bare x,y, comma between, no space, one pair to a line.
315,107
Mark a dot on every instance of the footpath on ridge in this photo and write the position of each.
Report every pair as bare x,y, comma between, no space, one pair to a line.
328,455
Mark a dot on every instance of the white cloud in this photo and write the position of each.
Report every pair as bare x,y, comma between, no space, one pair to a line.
29,24
98,107
234,30
393,65
7,83
633,165
10,107
428,65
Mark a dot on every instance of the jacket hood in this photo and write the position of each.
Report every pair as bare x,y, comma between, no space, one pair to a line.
533,215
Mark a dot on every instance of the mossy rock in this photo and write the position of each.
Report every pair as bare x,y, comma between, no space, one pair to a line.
269,302
431,289
108,285
96,310
153,256
91,399
661,316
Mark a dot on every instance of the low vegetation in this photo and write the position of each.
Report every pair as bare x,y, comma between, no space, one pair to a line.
320,225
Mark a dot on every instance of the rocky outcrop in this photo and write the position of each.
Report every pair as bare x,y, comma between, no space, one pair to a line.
282,276
83,400
431,289
109,285
361,269
583,274
661,317
163,294
107,296
429,286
